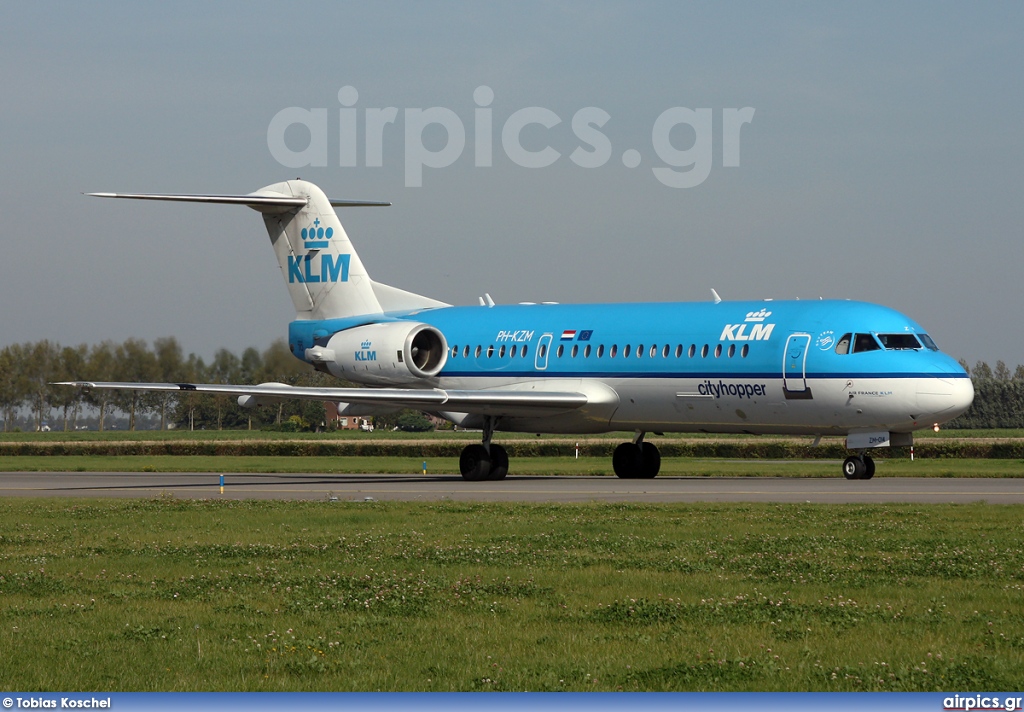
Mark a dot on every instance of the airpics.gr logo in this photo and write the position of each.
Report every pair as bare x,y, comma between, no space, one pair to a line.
365,354
303,268
759,331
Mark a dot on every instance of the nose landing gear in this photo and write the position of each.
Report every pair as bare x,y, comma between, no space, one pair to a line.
859,467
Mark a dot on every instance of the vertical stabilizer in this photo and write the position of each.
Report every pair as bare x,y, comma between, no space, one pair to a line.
324,275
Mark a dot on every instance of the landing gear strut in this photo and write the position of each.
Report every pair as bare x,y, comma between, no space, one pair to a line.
488,461
636,460
859,467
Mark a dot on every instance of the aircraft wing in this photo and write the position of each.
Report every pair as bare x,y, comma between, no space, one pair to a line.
521,403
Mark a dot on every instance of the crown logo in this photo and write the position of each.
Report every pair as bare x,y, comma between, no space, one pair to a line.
758,316
315,237
366,344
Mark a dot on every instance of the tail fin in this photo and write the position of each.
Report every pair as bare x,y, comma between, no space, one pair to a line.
324,275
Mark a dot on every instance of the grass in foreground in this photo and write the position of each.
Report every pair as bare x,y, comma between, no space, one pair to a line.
678,466
255,595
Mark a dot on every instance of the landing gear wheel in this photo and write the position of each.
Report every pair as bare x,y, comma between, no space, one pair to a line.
869,468
627,461
651,461
499,462
854,468
475,463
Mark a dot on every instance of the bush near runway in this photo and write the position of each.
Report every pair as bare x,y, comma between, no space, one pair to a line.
168,594
743,449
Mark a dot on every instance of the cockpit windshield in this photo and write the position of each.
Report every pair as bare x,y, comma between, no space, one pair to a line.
859,343
899,342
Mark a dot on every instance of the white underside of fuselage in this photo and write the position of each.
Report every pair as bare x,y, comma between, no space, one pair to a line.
817,407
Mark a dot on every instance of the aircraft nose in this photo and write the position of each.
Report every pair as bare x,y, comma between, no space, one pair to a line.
942,399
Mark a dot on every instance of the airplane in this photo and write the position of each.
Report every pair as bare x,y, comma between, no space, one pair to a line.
815,368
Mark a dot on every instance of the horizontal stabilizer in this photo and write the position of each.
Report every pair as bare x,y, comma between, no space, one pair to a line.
265,201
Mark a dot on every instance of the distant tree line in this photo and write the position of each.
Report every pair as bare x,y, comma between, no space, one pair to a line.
28,370
998,398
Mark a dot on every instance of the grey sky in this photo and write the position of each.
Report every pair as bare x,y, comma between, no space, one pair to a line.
883,162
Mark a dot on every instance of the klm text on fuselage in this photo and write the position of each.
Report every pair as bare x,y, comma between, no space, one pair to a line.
306,269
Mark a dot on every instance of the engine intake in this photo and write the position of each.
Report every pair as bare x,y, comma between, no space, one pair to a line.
390,353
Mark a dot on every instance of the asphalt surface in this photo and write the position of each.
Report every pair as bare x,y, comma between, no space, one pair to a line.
521,489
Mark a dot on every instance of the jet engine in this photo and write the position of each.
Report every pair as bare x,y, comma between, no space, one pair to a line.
391,353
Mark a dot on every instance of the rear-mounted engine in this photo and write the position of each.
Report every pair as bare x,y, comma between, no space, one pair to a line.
391,353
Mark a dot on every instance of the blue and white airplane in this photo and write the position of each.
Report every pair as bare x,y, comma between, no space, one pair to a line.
820,368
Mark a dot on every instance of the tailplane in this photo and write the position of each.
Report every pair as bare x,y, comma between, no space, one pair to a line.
324,275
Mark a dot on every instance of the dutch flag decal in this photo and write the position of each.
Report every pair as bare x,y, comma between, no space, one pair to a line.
568,335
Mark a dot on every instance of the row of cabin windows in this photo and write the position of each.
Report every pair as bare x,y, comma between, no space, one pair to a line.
599,352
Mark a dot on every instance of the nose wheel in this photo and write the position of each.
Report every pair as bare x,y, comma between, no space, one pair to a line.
859,467
636,460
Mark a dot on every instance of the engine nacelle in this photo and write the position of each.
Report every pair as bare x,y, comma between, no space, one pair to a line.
383,354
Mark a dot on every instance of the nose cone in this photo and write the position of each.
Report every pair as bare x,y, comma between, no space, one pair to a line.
942,399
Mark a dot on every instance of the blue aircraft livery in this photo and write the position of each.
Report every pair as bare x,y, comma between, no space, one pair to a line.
818,368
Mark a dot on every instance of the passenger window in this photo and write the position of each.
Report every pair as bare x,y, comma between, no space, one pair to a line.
679,350
478,351
615,350
843,346
501,351
718,351
455,351
490,351
561,350
865,342
586,352
600,351
732,350
512,353
625,351
525,347
640,351
704,351
693,350
543,350
745,350
575,350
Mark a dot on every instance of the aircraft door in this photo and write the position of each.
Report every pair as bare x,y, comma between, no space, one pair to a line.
540,360
794,364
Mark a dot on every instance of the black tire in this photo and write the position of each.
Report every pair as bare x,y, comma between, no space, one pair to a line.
475,463
854,468
499,462
627,461
869,468
651,461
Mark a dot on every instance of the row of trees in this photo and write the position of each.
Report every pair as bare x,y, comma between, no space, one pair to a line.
998,398
27,372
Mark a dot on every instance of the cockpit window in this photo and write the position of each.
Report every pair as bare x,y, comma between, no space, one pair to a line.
928,342
864,342
843,345
899,341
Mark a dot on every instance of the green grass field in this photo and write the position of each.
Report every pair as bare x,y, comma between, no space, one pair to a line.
166,594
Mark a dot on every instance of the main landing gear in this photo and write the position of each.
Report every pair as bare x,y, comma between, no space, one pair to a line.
636,460
859,467
488,461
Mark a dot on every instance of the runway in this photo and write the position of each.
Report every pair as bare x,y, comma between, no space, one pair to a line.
512,489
